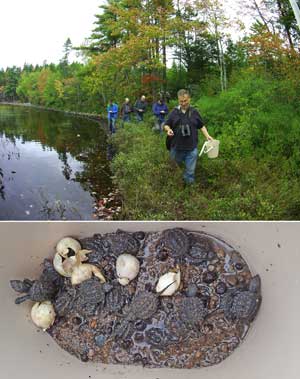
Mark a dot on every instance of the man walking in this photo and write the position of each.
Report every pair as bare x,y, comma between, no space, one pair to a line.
126,109
182,127
160,110
140,108
112,115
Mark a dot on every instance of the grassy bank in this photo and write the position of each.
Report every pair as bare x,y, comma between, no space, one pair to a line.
255,177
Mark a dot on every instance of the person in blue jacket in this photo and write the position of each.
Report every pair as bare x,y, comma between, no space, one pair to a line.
160,110
112,115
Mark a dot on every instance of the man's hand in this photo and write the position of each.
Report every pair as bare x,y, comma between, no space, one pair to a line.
205,133
169,131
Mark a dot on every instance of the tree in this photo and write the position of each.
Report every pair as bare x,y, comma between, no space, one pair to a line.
12,76
67,48
277,17
104,35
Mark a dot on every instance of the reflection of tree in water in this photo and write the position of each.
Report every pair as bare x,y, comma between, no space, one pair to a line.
2,193
8,147
95,176
9,151
66,171
56,209
71,137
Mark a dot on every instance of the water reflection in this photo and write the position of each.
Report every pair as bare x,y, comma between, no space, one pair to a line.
52,166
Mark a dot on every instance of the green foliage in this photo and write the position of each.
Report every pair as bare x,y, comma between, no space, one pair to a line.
255,177
257,118
12,76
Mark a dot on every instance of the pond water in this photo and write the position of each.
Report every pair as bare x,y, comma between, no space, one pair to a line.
52,166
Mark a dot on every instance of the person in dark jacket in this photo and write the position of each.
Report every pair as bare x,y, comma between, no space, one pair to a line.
182,126
160,110
112,115
140,108
126,109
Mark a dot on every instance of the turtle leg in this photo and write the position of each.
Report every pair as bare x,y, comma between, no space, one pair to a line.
21,299
21,286
28,282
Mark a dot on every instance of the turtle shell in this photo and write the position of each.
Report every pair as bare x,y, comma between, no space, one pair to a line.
64,301
176,241
143,306
245,305
42,290
90,291
115,300
97,249
121,242
191,310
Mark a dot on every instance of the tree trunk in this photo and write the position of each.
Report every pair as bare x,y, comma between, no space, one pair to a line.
287,29
261,15
164,57
223,65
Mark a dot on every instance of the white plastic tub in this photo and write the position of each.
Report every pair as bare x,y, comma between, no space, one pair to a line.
270,351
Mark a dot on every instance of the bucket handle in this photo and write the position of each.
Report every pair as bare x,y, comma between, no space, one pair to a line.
204,150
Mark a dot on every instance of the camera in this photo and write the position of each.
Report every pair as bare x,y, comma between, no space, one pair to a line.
185,130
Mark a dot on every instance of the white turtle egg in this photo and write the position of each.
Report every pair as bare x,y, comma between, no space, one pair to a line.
43,314
127,267
165,282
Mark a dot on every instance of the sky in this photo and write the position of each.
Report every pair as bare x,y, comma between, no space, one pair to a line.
32,31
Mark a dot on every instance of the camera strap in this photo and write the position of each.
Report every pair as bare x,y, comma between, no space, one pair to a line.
188,113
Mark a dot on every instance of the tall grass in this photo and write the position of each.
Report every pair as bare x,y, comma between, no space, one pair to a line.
256,176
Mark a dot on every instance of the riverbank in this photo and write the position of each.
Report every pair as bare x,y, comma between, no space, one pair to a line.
90,116
66,159
226,188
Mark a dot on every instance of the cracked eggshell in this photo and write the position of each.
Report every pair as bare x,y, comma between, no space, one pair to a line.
43,314
64,267
127,267
165,281
63,246
84,272
80,274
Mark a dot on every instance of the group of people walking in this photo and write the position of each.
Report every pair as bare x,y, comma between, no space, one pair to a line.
127,112
181,127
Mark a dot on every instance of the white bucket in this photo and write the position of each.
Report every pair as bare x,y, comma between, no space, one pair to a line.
211,148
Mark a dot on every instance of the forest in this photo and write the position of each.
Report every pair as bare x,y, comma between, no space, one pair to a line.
242,69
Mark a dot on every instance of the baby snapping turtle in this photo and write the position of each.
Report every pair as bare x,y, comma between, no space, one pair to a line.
64,301
191,311
42,289
201,250
90,295
176,241
115,299
121,242
96,246
243,304
143,306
